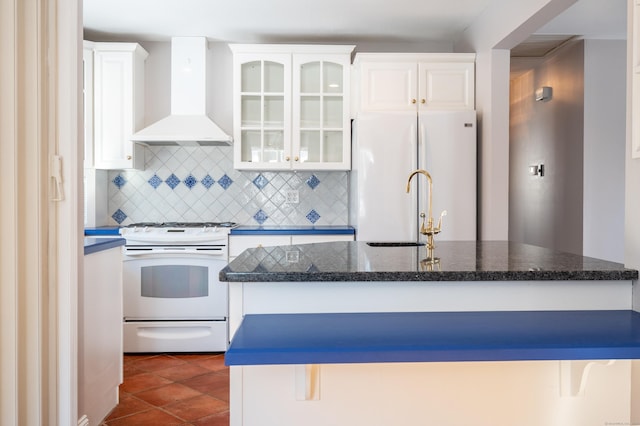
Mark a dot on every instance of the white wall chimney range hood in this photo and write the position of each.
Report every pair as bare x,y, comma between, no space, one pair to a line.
188,123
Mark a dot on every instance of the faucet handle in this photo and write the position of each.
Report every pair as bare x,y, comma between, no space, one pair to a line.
423,228
444,213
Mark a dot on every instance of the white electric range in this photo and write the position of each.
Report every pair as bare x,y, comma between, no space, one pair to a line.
173,299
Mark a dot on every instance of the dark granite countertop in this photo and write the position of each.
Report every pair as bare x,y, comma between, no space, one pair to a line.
458,261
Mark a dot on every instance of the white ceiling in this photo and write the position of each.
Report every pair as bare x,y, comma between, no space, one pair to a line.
308,21
283,20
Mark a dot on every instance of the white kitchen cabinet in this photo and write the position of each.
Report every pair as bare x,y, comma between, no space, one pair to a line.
87,101
240,243
118,105
100,334
95,181
309,239
291,107
414,82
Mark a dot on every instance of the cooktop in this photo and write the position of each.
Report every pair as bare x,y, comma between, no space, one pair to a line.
182,225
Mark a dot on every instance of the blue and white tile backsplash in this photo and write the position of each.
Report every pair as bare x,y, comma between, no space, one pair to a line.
198,184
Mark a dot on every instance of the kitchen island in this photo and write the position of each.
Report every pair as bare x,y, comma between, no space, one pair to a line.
483,333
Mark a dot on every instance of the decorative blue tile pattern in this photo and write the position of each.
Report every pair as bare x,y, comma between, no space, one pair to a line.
313,181
172,181
225,181
260,181
155,181
313,216
207,181
119,216
190,181
260,217
240,195
119,181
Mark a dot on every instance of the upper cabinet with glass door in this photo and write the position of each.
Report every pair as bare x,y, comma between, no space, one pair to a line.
291,107
262,110
321,131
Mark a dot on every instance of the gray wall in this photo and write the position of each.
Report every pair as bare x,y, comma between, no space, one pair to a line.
604,148
547,211
579,136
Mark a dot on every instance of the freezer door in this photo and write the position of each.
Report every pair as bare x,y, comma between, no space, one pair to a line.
447,150
384,154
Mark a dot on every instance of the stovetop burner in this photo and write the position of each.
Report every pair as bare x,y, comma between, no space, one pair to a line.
182,225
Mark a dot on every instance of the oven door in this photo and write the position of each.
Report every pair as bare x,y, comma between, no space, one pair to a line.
171,287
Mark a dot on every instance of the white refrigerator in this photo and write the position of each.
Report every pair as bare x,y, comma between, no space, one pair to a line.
387,147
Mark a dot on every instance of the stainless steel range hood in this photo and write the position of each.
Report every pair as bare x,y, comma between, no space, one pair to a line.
188,123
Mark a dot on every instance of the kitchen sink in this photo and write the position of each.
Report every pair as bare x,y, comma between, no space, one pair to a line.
396,244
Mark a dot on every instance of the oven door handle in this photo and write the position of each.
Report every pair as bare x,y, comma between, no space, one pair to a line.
213,252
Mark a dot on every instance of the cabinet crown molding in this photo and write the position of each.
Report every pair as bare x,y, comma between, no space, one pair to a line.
413,57
291,48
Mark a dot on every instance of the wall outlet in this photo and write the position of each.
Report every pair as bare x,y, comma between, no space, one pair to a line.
293,197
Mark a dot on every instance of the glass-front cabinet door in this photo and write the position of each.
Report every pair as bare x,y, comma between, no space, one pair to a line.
291,107
262,112
321,136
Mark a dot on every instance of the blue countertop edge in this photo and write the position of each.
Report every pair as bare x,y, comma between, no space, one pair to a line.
253,230
102,230
293,230
94,245
274,339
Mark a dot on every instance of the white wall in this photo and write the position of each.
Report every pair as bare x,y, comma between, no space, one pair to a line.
632,207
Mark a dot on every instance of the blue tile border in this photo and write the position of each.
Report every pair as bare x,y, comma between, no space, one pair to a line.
313,181
313,216
172,181
207,181
225,181
119,181
119,216
260,216
155,181
190,181
260,181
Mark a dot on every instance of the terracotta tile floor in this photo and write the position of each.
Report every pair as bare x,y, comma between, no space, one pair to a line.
173,389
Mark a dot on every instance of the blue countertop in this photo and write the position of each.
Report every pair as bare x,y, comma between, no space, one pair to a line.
435,337
293,230
102,230
94,245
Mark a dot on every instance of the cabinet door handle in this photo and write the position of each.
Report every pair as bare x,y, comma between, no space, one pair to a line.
128,157
413,101
287,158
423,101
295,158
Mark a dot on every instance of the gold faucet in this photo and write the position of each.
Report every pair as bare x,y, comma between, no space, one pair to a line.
429,230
